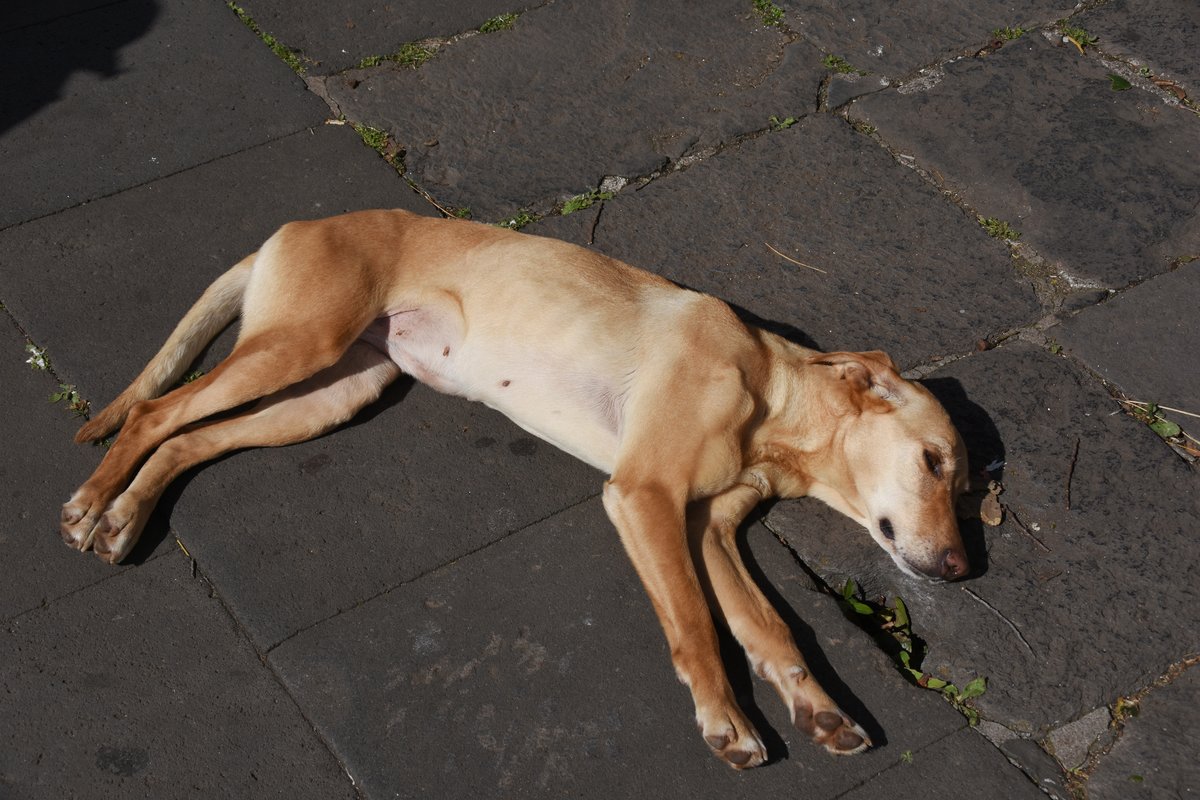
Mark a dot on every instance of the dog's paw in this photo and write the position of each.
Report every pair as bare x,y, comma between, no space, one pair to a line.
114,536
830,728
77,521
734,742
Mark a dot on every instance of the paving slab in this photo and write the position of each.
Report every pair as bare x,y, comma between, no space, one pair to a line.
1145,340
890,40
961,765
331,37
1160,34
293,536
109,98
102,286
1156,754
1034,135
536,668
140,686
577,91
903,269
37,469
1071,604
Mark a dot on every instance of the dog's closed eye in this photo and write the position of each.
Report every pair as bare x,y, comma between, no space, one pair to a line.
885,527
933,462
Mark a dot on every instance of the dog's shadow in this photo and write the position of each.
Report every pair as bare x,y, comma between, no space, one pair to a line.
741,677
158,528
985,457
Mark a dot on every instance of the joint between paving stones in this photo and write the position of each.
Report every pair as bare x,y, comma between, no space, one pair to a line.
198,573
1121,711
424,573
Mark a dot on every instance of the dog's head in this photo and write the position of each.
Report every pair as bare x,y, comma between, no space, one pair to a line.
897,465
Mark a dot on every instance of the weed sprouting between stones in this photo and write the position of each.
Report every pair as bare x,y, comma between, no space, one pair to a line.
1151,414
778,124
770,14
68,395
891,628
285,53
517,221
1076,36
999,229
581,201
498,23
1008,34
411,55
841,66
37,357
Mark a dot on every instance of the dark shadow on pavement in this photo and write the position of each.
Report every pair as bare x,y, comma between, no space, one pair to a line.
806,640
159,525
984,449
41,48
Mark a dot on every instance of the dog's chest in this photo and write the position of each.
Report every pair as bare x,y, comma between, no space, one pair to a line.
539,383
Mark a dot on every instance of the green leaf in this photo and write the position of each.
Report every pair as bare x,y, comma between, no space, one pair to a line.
1118,84
1164,428
975,688
937,683
849,590
901,618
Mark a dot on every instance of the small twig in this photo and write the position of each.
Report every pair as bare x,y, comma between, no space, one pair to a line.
794,261
1006,620
1141,404
1071,471
1026,530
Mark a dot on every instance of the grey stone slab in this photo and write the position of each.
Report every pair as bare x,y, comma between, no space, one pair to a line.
1156,754
536,668
1105,185
292,536
333,36
1160,34
38,466
1072,741
141,687
1038,765
1068,608
960,765
103,285
110,98
577,91
1145,340
890,40
904,270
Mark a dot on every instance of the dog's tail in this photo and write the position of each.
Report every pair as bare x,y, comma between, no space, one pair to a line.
220,305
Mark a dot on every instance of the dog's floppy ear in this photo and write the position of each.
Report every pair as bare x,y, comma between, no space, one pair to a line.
871,375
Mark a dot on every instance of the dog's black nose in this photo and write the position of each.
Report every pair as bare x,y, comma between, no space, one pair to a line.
954,564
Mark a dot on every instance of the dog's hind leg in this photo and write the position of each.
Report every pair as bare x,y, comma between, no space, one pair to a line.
300,412
756,624
216,308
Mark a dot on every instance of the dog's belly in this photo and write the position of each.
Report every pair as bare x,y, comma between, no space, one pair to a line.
574,406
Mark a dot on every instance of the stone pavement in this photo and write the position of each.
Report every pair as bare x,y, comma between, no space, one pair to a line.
429,603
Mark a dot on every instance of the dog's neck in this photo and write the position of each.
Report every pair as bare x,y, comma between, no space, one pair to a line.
795,396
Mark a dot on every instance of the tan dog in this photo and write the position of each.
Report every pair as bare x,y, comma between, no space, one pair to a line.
696,416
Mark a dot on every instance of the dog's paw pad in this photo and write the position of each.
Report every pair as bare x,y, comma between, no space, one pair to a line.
831,729
742,750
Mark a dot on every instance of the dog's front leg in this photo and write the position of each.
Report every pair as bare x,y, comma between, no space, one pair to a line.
650,518
756,624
